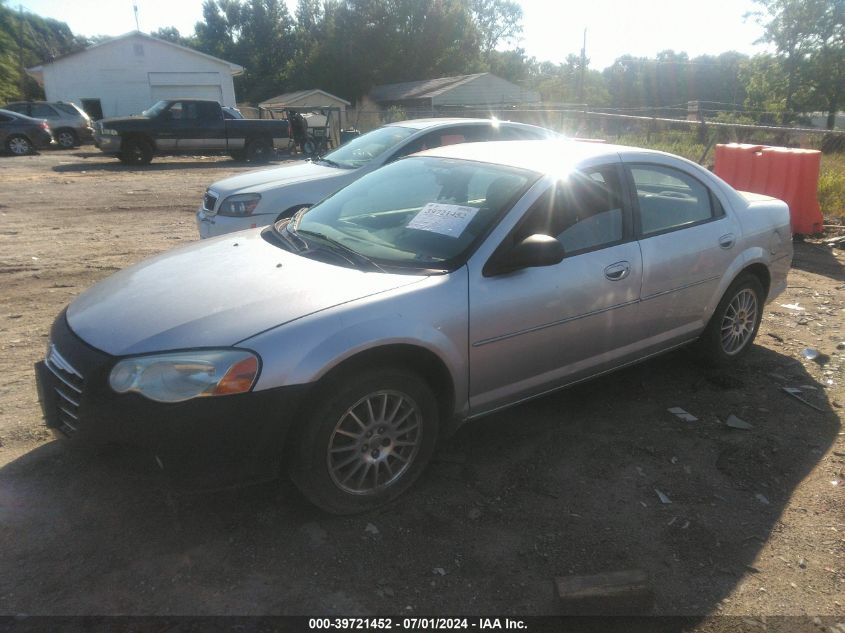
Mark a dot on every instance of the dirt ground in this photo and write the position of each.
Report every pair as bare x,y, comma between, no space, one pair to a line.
567,484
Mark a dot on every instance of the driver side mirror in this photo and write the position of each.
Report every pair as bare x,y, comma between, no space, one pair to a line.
533,252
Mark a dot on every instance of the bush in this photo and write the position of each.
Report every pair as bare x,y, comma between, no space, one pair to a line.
832,185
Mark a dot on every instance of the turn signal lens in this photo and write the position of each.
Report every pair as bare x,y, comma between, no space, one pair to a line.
239,378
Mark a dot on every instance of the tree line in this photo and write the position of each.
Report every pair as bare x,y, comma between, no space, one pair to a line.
348,46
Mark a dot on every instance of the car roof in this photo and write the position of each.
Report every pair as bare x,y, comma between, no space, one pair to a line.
544,156
18,115
423,124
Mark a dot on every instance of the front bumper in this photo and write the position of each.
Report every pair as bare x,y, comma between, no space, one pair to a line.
214,225
107,143
202,443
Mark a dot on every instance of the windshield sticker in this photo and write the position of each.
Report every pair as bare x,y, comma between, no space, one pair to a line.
446,219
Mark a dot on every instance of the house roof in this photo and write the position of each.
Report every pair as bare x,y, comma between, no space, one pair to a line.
234,68
290,98
425,89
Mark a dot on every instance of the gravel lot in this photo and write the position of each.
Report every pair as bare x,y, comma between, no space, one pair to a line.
563,485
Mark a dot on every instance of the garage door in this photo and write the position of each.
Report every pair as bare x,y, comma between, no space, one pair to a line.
157,93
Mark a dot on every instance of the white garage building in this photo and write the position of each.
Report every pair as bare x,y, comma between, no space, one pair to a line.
127,74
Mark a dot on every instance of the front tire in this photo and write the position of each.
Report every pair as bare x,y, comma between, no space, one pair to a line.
259,151
136,152
19,145
368,439
734,324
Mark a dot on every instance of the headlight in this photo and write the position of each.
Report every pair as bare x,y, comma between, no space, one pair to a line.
180,376
240,205
107,131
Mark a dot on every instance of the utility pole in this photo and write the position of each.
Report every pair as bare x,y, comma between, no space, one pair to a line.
135,9
583,69
20,52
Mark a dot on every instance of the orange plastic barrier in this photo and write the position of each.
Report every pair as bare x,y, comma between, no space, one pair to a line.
791,175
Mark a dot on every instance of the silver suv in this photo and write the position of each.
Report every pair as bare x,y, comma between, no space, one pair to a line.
70,124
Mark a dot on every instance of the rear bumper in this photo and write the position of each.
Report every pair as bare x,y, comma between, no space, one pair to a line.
42,139
202,443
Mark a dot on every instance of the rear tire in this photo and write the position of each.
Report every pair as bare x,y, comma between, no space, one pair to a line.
136,152
259,150
19,145
367,440
733,326
66,138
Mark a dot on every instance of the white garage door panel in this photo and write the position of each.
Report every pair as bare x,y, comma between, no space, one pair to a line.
215,93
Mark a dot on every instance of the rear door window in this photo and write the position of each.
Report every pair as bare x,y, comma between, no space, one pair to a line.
17,107
43,111
669,199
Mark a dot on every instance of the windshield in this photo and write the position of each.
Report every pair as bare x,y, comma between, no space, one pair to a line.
365,148
154,110
417,213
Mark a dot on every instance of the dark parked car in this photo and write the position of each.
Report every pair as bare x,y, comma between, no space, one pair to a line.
70,124
191,126
21,134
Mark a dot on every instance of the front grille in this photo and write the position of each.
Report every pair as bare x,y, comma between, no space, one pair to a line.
69,390
208,202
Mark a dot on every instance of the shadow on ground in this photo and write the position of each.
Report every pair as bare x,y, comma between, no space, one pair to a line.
817,258
101,162
566,484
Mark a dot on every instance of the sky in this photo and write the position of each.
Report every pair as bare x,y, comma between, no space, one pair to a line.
552,28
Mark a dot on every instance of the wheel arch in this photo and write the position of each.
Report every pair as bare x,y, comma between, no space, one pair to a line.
13,135
420,360
761,272
137,136
66,128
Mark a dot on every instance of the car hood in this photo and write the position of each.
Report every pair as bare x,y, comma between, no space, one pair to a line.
258,181
214,293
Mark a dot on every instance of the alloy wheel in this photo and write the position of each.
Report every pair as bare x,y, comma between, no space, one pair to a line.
20,146
739,321
66,139
374,442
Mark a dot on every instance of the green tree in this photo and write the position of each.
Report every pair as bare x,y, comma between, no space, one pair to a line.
171,34
810,42
27,40
497,21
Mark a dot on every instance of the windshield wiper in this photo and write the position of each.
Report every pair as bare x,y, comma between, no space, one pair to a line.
349,254
331,163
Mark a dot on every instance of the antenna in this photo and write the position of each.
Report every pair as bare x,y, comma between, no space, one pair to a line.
135,9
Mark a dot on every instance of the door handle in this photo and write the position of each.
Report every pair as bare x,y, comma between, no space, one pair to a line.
617,271
727,241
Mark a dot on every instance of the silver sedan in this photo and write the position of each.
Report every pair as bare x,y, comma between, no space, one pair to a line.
343,342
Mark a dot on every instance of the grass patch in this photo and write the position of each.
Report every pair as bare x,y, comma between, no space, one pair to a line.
832,185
